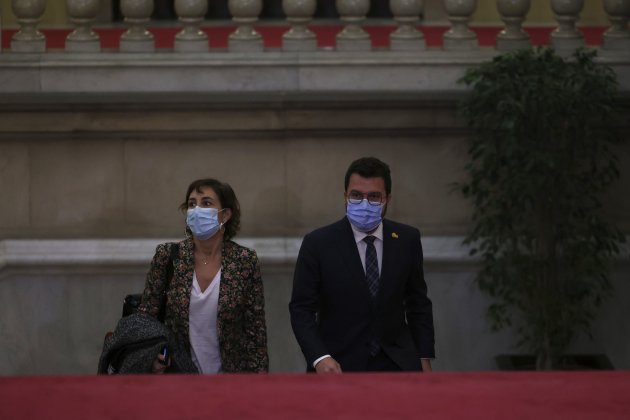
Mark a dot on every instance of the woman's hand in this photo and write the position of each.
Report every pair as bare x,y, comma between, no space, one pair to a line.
159,365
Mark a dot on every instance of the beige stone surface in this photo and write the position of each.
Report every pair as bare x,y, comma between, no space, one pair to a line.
95,170
423,171
77,186
159,173
138,120
55,324
14,185
315,177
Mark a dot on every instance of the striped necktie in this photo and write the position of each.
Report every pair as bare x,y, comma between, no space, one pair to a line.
371,265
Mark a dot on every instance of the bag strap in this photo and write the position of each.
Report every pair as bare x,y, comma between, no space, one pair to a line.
169,276
170,268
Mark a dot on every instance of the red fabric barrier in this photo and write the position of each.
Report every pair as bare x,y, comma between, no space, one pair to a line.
272,35
487,396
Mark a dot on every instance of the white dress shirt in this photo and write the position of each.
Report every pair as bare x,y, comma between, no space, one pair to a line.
362,245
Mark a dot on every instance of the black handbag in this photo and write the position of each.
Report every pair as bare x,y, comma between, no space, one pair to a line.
132,301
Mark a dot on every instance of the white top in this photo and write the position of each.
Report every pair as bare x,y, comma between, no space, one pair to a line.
202,320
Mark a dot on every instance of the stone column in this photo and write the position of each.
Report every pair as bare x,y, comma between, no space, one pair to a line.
565,38
245,14
83,13
617,37
459,37
137,13
299,14
28,13
513,13
191,14
406,36
353,37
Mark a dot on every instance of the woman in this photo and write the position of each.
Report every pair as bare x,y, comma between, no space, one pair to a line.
214,300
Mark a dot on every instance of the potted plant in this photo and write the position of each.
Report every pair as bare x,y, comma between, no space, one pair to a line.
541,155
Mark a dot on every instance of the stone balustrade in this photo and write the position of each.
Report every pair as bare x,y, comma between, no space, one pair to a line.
406,23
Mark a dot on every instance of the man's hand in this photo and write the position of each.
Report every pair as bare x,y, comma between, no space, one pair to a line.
426,365
328,365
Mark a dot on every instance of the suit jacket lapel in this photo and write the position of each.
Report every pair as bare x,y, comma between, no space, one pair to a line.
391,251
348,250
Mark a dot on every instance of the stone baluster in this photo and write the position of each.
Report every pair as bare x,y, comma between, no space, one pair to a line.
459,36
406,36
191,14
299,14
83,13
137,13
352,37
513,13
566,38
617,37
28,14
245,13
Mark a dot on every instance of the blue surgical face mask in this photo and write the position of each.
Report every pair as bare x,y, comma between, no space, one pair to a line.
364,216
203,222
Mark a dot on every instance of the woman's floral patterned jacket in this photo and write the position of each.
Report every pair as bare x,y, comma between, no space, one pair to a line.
241,324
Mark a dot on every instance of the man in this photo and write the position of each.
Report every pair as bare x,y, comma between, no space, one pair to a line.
359,300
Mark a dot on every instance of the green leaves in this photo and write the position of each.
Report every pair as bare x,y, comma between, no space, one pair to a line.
541,156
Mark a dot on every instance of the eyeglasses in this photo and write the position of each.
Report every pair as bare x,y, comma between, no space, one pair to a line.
374,198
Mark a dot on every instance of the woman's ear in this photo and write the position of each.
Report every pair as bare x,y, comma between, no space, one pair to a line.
227,215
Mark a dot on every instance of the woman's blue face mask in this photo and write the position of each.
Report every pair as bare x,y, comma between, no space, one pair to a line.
203,222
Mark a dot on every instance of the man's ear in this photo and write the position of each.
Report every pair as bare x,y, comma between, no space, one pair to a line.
385,205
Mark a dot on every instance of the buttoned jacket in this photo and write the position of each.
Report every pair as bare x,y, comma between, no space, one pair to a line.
333,312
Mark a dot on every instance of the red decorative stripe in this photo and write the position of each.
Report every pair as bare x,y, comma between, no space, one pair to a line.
272,35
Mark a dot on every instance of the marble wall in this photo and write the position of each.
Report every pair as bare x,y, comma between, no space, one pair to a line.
55,310
103,170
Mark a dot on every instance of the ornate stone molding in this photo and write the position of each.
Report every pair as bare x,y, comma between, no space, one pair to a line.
442,252
37,254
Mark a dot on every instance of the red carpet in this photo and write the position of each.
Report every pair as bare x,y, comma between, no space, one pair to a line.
487,396
272,35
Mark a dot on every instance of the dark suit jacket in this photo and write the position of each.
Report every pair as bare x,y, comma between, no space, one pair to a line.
332,311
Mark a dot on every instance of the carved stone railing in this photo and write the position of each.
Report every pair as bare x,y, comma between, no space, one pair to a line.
353,37
405,64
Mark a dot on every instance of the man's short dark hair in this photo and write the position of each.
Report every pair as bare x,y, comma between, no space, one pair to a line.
370,167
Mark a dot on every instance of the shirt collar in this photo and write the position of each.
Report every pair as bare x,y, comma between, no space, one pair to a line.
358,235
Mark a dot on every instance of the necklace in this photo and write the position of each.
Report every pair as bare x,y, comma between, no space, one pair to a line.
202,256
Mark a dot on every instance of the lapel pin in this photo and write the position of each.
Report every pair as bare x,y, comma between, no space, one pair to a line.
394,235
